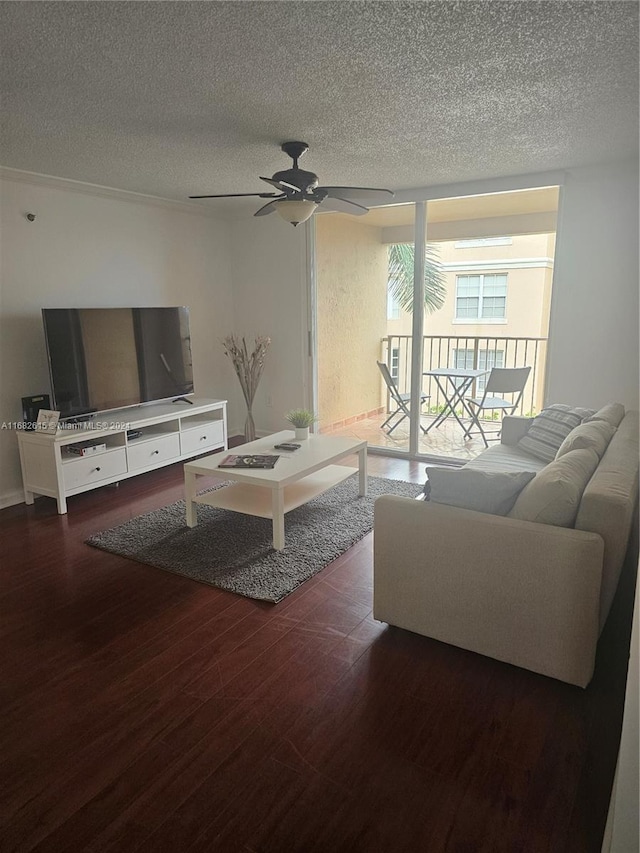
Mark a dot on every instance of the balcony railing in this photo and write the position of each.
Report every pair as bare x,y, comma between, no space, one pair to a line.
469,352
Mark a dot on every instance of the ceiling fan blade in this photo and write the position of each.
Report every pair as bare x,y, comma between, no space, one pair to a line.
354,192
269,207
237,195
343,205
281,185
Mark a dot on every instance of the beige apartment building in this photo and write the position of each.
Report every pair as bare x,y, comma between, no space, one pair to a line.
495,286
496,311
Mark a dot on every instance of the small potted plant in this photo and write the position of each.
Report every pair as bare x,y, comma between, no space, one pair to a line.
301,420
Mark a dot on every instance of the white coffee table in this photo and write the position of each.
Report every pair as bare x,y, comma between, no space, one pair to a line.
298,476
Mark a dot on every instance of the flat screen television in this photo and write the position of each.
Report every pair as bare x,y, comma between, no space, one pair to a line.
109,358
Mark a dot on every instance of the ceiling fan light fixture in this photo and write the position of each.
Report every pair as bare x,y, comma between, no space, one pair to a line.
294,210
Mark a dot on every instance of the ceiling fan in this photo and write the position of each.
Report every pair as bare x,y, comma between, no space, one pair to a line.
299,194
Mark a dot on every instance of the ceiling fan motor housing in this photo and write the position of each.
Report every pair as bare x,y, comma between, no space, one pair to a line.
304,181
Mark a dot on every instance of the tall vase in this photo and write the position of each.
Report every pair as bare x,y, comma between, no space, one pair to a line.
249,427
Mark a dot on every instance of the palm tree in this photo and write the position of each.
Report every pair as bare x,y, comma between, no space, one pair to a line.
401,257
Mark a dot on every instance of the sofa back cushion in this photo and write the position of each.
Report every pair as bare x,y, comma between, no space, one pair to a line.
608,506
554,494
612,413
482,491
504,457
550,428
590,434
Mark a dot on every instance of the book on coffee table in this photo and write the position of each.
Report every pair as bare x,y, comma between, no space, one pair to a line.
255,461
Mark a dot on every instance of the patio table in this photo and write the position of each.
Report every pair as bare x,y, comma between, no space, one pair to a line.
454,382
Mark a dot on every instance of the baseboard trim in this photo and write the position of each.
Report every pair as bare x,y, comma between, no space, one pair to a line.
352,419
11,499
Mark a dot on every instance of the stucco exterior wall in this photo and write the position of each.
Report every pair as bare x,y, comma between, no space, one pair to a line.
352,316
522,246
528,290
524,308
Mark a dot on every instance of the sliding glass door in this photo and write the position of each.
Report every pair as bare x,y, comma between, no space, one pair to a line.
408,295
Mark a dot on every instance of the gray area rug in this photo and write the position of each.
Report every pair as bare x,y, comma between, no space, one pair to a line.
234,551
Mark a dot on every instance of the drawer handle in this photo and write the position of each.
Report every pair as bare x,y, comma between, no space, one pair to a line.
203,438
155,452
97,469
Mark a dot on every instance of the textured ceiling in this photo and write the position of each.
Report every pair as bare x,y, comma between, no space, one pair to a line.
176,98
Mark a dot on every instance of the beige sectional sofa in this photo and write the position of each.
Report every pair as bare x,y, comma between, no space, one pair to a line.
528,592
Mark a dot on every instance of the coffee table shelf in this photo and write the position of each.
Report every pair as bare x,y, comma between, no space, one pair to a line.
254,500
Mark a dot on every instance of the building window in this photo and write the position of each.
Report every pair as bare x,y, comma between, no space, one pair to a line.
393,306
464,358
481,297
395,362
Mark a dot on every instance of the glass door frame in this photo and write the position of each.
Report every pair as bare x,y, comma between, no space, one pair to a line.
417,325
420,198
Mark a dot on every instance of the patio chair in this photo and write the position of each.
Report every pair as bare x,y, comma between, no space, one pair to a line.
502,380
401,401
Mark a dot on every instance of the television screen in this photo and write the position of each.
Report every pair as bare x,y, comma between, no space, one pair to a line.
108,358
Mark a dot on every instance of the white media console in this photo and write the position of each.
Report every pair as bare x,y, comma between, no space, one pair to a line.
168,433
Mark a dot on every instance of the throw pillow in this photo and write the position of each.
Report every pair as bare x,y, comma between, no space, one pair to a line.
550,428
554,494
482,491
594,434
613,413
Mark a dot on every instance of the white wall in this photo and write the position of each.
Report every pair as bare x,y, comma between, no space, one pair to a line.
92,250
625,834
593,348
270,298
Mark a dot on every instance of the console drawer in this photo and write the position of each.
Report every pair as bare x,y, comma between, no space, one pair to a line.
142,454
92,469
200,438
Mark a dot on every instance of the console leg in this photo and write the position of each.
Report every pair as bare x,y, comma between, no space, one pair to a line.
62,505
28,497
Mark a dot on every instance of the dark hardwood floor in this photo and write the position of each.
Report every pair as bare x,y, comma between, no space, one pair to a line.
146,712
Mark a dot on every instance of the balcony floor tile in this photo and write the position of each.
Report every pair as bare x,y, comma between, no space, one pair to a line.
445,441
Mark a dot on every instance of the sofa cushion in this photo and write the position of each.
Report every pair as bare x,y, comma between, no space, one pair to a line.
550,428
594,434
613,413
553,496
482,491
501,457
513,428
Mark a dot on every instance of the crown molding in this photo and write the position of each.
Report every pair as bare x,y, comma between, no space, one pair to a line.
51,181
